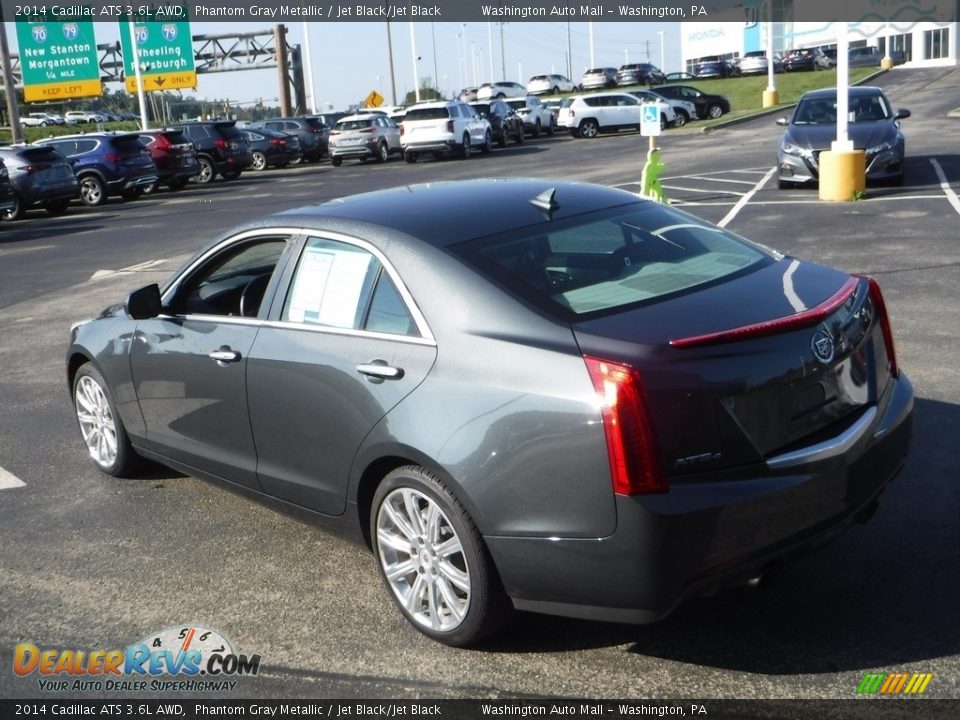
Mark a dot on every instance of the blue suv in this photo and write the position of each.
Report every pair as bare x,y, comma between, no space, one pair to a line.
107,164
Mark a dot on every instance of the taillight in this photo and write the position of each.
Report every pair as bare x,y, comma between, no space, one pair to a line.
277,141
112,157
877,297
806,318
449,126
161,143
631,443
221,143
367,130
334,132
402,128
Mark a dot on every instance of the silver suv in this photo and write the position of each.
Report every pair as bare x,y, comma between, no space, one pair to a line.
443,127
362,136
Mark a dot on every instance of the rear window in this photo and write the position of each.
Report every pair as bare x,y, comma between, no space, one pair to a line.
354,124
432,113
600,262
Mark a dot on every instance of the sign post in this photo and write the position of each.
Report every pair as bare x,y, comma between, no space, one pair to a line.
58,60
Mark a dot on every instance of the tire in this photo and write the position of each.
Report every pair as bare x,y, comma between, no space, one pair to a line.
410,157
57,207
663,122
100,425
680,119
550,129
589,129
178,184
556,90
487,144
92,191
231,174
502,140
465,149
537,129
131,193
501,96
18,209
259,161
433,561
520,137
152,188
383,152
714,111
208,171
336,161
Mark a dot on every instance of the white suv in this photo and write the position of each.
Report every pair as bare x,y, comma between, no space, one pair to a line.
443,127
587,116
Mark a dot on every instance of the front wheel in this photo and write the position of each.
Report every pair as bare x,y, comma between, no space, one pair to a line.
100,425
680,120
131,193
714,111
537,128
57,207
433,561
16,212
487,143
231,174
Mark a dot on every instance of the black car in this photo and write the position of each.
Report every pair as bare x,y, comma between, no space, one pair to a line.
39,176
707,105
106,163
8,198
174,155
221,148
505,124
272,149
312,132
805,59
639,74
874,127
578,402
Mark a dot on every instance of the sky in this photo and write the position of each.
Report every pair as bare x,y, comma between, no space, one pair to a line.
351,59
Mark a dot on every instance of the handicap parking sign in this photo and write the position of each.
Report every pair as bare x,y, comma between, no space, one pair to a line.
650,120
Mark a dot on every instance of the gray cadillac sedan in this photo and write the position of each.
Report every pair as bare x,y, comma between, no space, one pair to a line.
585,403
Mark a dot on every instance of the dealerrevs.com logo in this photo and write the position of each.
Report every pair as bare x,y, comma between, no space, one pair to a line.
186,658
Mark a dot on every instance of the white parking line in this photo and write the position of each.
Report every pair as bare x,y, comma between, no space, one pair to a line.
746,198
139,267
713,179
951,195
703,191
8,480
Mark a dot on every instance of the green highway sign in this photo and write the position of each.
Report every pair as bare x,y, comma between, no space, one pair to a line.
58,60
166,55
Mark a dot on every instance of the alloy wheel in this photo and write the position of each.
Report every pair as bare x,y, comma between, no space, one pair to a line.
96,420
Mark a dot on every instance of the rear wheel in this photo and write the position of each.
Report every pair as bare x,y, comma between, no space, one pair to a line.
502,139
208,171
410,157
433,561
92,191
259,161
465,149
487,143
537,129
231,174
556,90
336,161
178,184
100,425
589,129
663,122
383,152
16,212
131,193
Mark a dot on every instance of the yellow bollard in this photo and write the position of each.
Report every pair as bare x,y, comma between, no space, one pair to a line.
771,98
843,173
886,63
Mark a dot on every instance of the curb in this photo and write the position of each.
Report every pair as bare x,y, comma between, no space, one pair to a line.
780,108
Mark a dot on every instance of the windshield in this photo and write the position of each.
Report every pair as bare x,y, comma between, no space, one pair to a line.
823,111
598,262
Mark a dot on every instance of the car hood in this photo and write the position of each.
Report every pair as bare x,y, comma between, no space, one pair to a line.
863,134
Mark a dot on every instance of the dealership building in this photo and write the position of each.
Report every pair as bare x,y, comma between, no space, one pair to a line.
918,44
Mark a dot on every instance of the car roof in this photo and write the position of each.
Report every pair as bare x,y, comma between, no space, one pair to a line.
434,212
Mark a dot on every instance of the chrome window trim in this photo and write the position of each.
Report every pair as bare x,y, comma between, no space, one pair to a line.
426,335
418,318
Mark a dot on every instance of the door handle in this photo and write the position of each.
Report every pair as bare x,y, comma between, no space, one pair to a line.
225,355
378,371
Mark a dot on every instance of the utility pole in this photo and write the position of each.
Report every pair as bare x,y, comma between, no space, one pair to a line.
569,54
503,56
280,43
648,51
393,77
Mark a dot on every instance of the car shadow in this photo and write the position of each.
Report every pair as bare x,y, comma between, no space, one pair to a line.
882,595
31,226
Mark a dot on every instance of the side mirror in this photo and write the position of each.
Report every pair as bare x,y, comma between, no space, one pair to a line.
143,303
783,122
901,114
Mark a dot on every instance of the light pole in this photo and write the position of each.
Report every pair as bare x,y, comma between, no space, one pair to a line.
592,59
313,88
663,62
416,74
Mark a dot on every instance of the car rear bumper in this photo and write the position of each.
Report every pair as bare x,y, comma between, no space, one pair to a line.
431,146
701,536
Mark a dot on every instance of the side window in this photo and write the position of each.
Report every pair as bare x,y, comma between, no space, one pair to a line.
85,146
64,147
233,282
342,286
